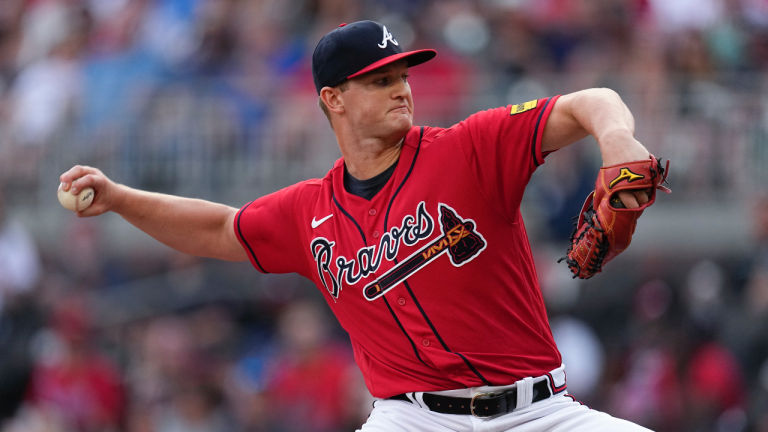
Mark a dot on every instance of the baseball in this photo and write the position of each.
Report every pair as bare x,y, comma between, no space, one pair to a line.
78,202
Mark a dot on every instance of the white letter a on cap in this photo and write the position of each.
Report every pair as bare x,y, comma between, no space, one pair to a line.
387,37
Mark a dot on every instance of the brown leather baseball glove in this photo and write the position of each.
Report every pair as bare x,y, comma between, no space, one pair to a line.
604,228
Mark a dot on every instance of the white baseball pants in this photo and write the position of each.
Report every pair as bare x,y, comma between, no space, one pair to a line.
559,413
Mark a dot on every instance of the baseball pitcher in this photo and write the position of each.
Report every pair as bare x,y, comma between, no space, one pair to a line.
415,239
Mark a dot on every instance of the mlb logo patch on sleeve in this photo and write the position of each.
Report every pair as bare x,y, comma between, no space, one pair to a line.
523,107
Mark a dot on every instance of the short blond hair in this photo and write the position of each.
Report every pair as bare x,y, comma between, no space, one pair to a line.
343,87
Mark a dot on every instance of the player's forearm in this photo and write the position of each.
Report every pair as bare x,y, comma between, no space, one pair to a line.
192,226
603,114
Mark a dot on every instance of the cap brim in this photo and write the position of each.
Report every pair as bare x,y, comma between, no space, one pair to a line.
413,57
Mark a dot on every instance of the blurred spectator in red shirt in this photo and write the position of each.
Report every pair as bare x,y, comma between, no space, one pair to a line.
309,389
71,381
714,384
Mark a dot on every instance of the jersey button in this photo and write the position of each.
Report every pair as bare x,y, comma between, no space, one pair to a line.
375,234
425,342
372,212
401,301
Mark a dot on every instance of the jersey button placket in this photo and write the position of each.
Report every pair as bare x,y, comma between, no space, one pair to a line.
401,301
425,342
373,212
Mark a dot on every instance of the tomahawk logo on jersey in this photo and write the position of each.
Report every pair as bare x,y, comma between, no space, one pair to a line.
403,271
457,237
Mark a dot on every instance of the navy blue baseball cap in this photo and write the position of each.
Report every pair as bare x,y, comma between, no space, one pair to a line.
354,49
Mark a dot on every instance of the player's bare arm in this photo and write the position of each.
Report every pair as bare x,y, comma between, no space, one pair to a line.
602,114
192,226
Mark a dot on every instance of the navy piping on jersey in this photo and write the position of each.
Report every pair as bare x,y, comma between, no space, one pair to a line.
350,218
536,132
413,345
440,339
418,147
472,368
239,231
408,287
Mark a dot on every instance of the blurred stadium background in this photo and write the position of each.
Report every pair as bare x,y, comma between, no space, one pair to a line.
102,329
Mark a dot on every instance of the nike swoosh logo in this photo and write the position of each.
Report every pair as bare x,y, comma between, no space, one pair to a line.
316,223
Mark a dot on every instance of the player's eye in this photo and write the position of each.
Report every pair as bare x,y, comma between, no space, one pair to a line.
405,77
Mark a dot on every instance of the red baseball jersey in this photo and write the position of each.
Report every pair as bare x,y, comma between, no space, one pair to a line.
433,278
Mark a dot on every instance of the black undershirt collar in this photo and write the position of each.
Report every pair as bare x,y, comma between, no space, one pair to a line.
367,189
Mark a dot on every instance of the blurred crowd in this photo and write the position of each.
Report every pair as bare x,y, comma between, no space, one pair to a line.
180,95
157,90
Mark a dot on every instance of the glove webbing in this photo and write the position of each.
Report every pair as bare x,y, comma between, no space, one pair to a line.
602,246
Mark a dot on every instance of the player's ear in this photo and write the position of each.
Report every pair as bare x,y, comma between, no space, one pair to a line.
333,100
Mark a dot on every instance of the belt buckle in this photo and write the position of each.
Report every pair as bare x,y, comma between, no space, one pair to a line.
472,403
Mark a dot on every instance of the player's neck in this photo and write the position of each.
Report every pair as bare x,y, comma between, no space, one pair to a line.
368,158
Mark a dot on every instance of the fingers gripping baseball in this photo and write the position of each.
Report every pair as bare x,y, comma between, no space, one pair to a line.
632,199
80,178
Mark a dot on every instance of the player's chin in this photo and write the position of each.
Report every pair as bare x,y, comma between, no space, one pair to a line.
400,121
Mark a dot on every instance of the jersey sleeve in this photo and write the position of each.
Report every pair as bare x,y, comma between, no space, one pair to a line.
503,149
268,230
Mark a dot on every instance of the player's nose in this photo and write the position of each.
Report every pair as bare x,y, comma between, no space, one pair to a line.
401,90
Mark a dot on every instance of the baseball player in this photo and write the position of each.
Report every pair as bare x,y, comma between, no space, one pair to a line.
415,240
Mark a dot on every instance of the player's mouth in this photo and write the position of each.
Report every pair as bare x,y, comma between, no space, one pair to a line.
401,109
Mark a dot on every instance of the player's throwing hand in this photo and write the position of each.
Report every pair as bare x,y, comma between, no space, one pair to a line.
80,177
